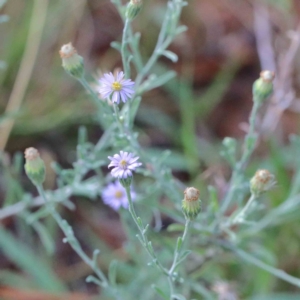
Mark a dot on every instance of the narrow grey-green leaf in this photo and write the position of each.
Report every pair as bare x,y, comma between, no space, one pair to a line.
29,262
160,292
112,272
170,55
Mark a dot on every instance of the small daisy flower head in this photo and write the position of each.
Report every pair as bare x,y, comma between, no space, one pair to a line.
261,182
71,61
114,195
123,165
116,87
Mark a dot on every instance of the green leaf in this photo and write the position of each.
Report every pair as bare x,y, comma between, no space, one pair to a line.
157,81
276,272
170,55
213,196
179,243
201,290
279,296
160,292
183,256
16,280
29,262
116,46
178,297
45,237
181,29
175,227
112,272
82,135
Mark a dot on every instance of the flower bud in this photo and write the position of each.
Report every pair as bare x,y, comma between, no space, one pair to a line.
261,182
191,204
126,182
133,8
71,61
263,87
34,166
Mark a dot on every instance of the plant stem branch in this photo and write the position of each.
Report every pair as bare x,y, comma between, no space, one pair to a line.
241,215
143,238
71,239
249,145
126,65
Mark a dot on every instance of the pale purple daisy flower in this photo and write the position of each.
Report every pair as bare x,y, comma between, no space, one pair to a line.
116,86
123,164
114,195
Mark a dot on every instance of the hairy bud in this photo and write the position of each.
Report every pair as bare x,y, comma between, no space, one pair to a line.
263,87
71,61
133,9
191,204
34,166
261,182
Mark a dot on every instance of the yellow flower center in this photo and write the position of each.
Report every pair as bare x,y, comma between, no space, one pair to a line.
117,86
118,194
123,164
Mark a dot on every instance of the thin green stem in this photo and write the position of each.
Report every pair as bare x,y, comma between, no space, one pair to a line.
131,208
249,145
125,58
143,238
116,110
86,85
242,214
164,38
145,243
171,287
178,251
71,239
250,140
137,57
101,109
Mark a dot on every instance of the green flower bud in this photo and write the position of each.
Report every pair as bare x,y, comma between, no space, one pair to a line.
34,166
133,9
126,182
261,182
71,61
263,87
191,204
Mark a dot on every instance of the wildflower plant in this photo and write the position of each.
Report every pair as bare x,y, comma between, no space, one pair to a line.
224,224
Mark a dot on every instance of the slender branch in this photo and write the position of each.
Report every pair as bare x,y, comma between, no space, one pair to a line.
249,145
125,61
143,238
178,251
71,239
147,245
241,215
